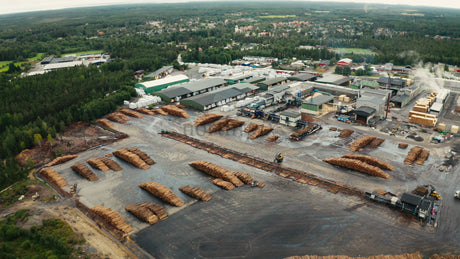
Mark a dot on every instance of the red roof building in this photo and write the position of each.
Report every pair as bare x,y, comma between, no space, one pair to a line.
346,62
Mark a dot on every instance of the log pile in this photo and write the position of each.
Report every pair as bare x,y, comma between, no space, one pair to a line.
131,158
113,218
195,192
412,155
358,166
111,164
218,125
98,164
251,127
260,185
61,159
217,171
174,110
403,145
142,213
162,192
207,118
160,111
422,157
118,117
232,123
376,142
272,138
361,142
158,210
131,113
260,131
145,111
403,256
53,177
106,124
223,184
245,177
147,159
371,160
296,134
345,133
84,171
333,129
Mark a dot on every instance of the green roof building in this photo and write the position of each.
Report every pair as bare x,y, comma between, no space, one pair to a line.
160,84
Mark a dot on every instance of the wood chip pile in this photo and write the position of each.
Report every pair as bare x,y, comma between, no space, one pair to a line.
371,160
145,111
272,138
84,171
61,159
361,142
174,110
195,192
217,171
403,256
403,145
223,184
422,157
358,166
162,192
131,113
232,123
158,210
111,164
245,177
251,127
260,131
52,176
376,142
413,155
104,123
98,164
207,118
118,117
345,133
131,158
147,159
142,213
160,111
113,218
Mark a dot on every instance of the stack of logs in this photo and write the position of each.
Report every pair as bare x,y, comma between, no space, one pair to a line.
84,171
61,159
104,164
145,111
207,118
224,124
223,184
217,171
272,138
195,192
131,155
106,124
53,177
245,178
345,133
147,159
418,155
131,113
158,210
251,127
113,218
117,117
174,110
142,213
362,163
364,141
261,130
162,192
160,111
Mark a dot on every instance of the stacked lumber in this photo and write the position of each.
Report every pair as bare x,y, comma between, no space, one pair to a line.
147,159
131,113
260,184
158,210
403,145
195,192
296,134
260,131
117,117
345,133
358,166
53,177
217,171
361,142
162,192
216,126
232,123
403,256
104,123
131,158
245,177
223,184
160,111
84,171
61,159
333,129
445,256
207,118
98,164
272,138
113,218
174,110
111,164
142,213
423,118
412,155
422,157
145,111
251,127
376,142
371,160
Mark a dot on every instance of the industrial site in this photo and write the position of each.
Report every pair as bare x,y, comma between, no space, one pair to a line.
259,163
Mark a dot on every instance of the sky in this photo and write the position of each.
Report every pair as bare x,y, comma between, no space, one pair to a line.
18,6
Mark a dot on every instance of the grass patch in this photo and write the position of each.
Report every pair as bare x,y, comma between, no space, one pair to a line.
278,16
84,52
39,56
354,50
11,194
322,11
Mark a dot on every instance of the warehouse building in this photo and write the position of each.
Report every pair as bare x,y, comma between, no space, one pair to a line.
363,114
405,95
303,77
157,85
336,80
160,73
254,80
317,105
289,118
238,79
376,99
177,93
264,85
219,97
392,82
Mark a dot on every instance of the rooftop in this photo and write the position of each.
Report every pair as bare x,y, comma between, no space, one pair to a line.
162,81
273,81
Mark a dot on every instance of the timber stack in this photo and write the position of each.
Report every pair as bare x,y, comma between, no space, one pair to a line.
53,177
113,218
413,155
217,171
218,125
118,117
422,157
251,127
131,158
61,159
147,159
142,213
371,160
104,123
158,210
272,138
84,171
232,123
162,192
361,142
160,111
98,164
131,113
195,192
358,166
223,184
345,133
145,111
376,142
245,177
206,118
174,110
111,164
260,131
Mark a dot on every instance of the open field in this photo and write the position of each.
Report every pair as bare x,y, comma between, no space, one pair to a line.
83,52
354,50
277,16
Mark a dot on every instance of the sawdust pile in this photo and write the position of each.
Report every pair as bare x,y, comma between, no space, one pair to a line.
145,111
272,138
84,171
371,160
413,155
207,118
53,177
358,166
113,218
61,159
245,177
251,127
158,210
217,171
223,184
131,113
403,256
260,131
142,213
345,133
195,192
174,110
131,158
361,142
162,192
118,117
